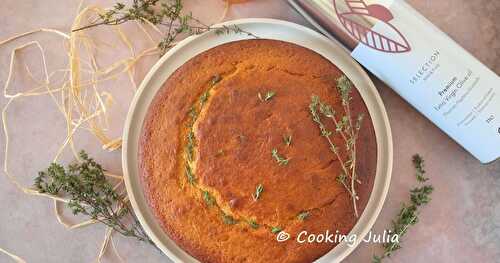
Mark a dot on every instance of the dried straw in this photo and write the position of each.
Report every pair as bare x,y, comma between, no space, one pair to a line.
83,104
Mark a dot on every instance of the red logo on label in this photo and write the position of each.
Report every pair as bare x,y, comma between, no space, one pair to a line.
354,13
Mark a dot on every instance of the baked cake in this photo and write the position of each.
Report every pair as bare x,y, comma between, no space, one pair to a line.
230,154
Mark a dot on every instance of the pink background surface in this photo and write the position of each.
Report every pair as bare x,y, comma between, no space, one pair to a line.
461,224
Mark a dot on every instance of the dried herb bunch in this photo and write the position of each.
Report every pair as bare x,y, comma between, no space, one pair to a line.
347,126
91,194
408,215
165,13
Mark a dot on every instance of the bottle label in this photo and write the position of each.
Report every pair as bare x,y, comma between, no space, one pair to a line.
428,69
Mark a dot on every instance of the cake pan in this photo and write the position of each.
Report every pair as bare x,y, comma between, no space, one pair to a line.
266,29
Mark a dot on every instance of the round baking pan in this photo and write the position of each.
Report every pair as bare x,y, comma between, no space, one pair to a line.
266,29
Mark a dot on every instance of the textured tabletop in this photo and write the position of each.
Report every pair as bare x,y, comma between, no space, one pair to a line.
461,224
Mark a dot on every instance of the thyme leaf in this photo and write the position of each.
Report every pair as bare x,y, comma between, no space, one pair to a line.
189,174
303,215
258,191
215,79
190,145
344,85
209,199
269,95
193,114
253,224
204,98
421,195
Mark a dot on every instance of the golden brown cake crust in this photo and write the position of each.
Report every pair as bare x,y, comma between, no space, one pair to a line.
234,133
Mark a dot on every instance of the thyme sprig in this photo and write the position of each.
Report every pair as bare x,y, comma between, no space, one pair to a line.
287,140
190,142
279,159
408,215
266,97
209,199
253,224
348,128
166,13
275,229
189,174
91,194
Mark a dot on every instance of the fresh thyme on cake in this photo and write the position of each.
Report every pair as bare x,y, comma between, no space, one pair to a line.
252,138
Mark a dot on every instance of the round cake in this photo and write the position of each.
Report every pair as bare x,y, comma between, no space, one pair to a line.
253,149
